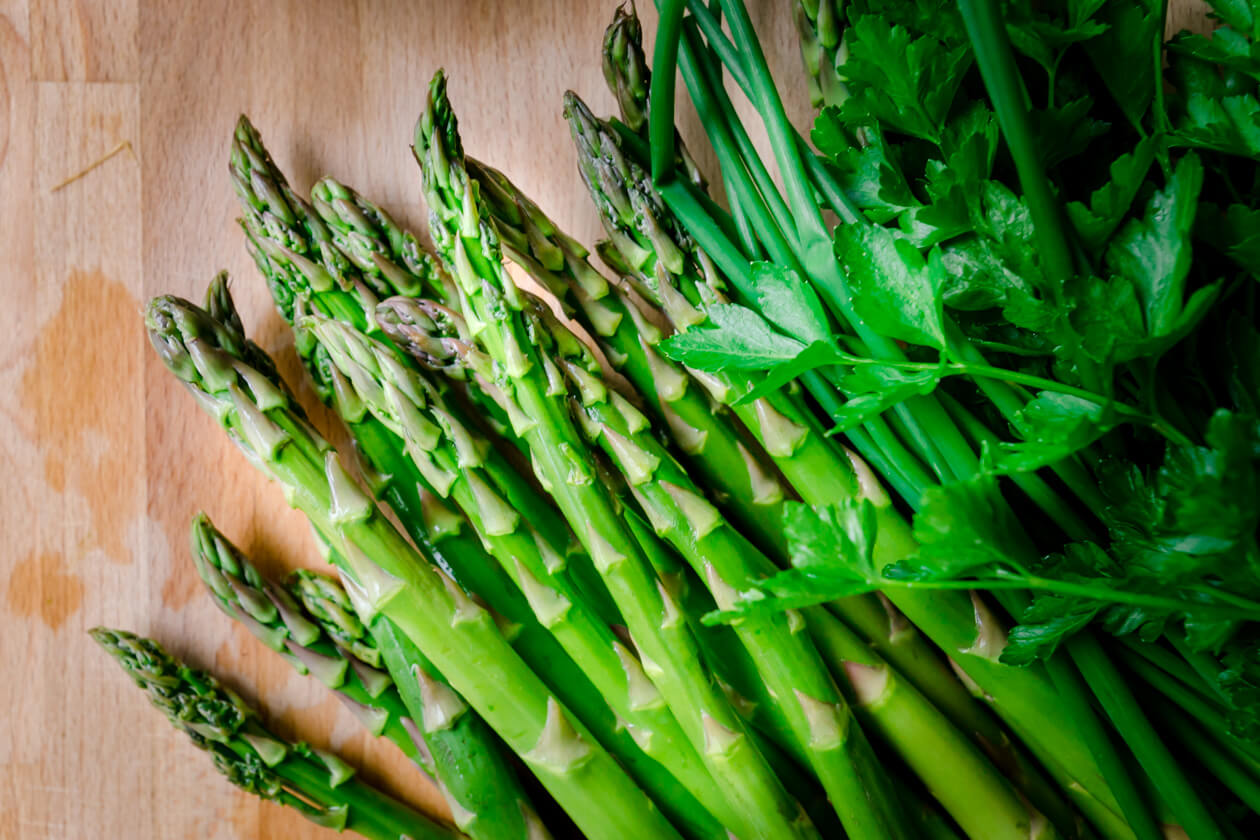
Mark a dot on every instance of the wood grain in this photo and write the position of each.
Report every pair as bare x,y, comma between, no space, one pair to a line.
104,458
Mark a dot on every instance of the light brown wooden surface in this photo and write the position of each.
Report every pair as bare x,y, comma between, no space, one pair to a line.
103,458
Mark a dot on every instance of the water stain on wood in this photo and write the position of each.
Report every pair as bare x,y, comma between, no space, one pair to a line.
88,407
181,586
42,585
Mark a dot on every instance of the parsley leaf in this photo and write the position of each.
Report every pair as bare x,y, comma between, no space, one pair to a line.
791,304
1154,252
903,81
894,289
734,337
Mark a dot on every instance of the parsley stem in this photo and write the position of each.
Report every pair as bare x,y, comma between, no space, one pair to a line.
985,28
1224,767
1032,381
1153,756
721,114
1192,702
1175,666
1033,485
1247,611
661,90
753,198
721,46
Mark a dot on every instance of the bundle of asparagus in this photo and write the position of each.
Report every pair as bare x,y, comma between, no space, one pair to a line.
671,602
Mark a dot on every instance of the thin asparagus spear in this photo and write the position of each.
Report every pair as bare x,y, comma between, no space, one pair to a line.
626,72
453,455
819,26
673,273
349,666
471,770
491,304
441,531
388,576
319,785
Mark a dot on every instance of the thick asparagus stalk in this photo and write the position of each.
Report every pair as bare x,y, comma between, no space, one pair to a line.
671,272
388,576
453,456
348,665
492,304
440,530
319,785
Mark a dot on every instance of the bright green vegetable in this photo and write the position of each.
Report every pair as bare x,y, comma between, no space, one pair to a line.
453,455
375,246
350,664
490,302
320,786
386,575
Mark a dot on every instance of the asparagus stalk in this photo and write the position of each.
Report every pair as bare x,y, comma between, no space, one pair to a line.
676,275
629,337
319,785
628,75
491,303
441,531
819,26
729,565
472,773
388,576
348,665
453,455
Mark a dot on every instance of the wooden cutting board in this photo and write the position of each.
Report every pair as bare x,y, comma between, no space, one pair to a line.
115,119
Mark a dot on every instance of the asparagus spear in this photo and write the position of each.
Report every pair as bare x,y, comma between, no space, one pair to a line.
350,666
628,76
671,272
819,26
454,455
470,768
319,785
728,563
442,531
388,576
491,304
